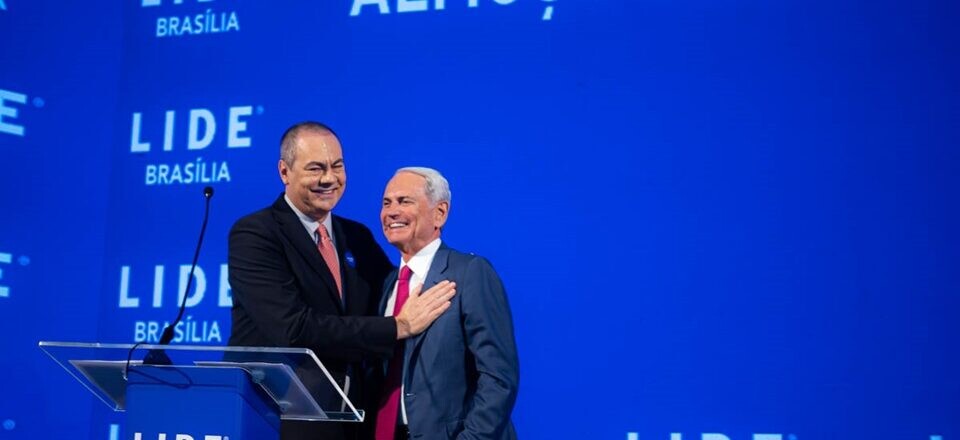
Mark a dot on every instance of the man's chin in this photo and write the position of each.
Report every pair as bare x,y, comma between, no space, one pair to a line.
325,205
396,241
320,211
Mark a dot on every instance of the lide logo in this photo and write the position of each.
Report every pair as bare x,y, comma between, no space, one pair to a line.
382,7
189,330
202,134
193,22
130,299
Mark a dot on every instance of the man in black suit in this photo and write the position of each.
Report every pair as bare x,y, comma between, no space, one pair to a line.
303,277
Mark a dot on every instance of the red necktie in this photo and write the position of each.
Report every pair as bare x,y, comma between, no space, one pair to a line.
390,398
329,256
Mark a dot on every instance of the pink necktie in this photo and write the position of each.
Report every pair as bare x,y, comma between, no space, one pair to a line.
390,398
329,256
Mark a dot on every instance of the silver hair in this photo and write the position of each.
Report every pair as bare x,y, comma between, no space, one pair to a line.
437,188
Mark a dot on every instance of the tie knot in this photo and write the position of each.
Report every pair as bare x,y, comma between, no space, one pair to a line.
405,273
322,232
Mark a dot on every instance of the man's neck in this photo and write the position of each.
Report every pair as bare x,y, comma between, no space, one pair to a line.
406,255
300,213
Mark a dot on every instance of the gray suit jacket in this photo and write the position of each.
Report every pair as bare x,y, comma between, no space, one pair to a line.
461,375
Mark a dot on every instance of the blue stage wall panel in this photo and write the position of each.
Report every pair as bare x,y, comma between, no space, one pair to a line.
714,219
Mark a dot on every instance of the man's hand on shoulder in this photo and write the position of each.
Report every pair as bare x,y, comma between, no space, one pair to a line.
421,310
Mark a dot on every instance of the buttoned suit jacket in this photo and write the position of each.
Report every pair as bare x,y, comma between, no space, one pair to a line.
284,295
461,375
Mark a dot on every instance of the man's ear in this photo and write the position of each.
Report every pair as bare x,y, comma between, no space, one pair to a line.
283,170
440,213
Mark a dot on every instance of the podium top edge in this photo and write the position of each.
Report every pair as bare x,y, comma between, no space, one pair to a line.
223,348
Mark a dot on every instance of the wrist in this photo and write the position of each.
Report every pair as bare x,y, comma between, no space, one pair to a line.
403,328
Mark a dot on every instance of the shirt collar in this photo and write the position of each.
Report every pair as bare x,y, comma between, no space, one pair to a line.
311,225
420,262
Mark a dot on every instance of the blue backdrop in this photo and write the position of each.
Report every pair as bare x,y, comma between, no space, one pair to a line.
714,219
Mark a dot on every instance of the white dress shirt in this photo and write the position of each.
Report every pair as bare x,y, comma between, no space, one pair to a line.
419,265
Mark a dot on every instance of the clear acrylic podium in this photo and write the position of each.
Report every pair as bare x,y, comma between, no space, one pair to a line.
206,391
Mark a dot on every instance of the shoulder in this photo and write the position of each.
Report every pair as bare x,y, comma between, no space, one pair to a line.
358,239
478,284
268,217
259,219
468,260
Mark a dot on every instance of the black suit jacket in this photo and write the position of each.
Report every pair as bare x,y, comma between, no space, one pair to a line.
284,295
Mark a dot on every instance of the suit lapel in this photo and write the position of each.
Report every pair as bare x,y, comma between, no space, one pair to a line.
293,229
435,275
346,269
388,285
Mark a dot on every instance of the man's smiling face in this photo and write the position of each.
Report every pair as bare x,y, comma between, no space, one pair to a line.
317,177
409,218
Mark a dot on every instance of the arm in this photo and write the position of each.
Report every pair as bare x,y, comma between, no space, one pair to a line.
373,266
488,328
265,287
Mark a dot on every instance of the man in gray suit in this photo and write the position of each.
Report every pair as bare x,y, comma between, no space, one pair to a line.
458,379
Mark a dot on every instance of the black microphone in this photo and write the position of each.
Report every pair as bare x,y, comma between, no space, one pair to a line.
158,357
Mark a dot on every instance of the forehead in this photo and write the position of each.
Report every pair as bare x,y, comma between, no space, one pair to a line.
406,184
318,146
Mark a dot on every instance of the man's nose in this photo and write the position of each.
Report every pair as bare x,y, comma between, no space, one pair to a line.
326,177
